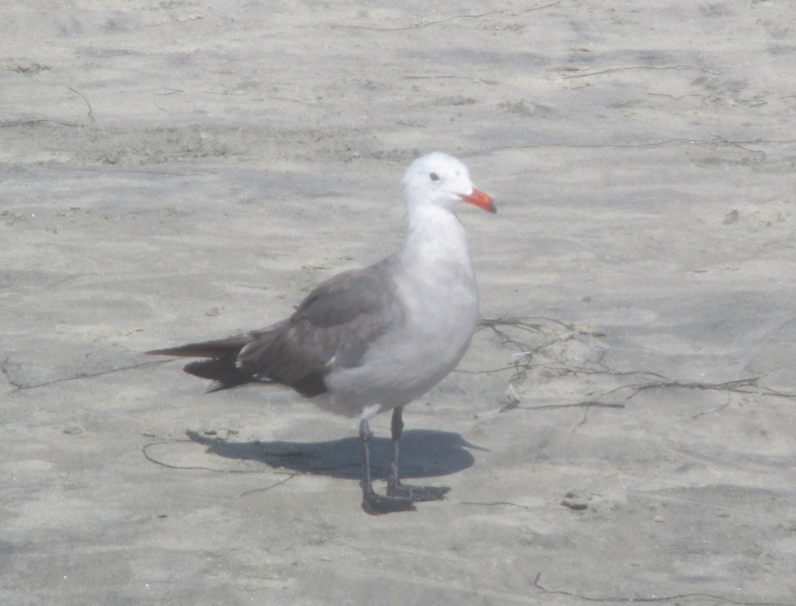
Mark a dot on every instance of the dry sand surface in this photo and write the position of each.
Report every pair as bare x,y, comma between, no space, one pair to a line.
178,170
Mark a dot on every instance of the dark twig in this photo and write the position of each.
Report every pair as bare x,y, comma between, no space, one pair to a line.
90,113
613,70
644,380
454,18
152,459
86,375
650,599
42,120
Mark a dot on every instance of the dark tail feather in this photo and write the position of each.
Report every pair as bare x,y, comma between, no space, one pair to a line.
222,366
224,373
223,348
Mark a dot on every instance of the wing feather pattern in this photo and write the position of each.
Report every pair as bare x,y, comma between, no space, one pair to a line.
332,328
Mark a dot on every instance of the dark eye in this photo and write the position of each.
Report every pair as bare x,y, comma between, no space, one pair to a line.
434,176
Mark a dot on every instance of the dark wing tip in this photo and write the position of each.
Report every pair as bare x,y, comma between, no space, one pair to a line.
224,373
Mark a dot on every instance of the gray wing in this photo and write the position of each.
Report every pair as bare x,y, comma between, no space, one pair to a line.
332,328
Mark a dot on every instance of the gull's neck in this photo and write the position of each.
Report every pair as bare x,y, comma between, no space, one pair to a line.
434,234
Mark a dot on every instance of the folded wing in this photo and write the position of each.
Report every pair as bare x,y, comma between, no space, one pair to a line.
332,328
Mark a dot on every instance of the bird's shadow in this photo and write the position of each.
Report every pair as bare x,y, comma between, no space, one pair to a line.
424,453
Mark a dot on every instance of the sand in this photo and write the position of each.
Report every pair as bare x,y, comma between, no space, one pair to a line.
623,426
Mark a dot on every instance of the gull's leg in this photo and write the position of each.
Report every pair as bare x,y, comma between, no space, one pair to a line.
394,486
373,503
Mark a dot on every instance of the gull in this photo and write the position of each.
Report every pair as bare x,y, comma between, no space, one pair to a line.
372,340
